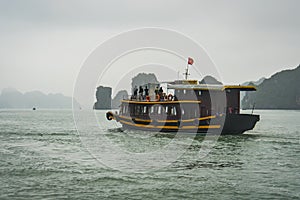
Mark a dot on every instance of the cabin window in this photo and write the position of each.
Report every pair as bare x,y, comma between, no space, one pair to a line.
166,109
159,110
199,92
131,110
170,110
152,109
121,110
184,91
145,110
138,109
190,111
156,109
173,111
124,109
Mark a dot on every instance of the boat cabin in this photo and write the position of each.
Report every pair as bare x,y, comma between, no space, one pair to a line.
184,99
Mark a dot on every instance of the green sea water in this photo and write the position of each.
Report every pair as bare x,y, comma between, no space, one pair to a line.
42,156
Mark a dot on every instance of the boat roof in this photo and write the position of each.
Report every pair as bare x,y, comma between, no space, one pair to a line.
210,87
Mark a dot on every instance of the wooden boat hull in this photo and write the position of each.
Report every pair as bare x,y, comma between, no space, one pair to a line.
224,124
239,123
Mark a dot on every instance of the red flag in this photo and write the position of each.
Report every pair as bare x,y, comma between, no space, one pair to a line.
190,61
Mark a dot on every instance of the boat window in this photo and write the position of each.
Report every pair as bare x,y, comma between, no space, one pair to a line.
152,109
138,109
159,110
124,109
173,111
131,110
184,91
166,109
145,109
199,92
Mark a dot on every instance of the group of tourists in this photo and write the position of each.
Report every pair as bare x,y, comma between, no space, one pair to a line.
143,94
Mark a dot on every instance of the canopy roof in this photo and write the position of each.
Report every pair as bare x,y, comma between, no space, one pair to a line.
210,87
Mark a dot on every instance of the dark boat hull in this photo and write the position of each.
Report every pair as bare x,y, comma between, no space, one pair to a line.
239,123
225,124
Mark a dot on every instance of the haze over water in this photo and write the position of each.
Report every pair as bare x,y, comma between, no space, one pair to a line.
44,46
42,157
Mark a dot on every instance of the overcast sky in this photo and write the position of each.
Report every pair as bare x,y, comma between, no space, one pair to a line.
44,43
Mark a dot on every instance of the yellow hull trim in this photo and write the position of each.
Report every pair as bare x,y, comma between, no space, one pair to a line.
185,120
171,127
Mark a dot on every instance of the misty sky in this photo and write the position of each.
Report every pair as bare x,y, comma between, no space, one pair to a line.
44,43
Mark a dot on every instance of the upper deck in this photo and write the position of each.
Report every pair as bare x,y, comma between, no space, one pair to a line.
211,98
183,89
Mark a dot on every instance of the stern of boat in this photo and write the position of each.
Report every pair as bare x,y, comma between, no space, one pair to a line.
239,123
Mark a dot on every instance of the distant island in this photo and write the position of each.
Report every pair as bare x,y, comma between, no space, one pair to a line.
280,91
11,98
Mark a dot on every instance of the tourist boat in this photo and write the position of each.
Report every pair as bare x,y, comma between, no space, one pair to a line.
186,106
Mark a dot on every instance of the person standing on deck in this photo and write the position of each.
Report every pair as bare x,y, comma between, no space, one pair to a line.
146,91
141,93
135,91
156,94
160,93
156,91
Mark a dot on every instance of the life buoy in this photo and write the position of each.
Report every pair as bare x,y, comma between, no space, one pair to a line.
147,98
170,97
109,116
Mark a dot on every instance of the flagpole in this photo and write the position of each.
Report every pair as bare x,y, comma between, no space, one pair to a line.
186,71
190,62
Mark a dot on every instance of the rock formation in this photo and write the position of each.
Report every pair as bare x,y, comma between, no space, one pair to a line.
142,79
281,91
116,102
210,80
103,96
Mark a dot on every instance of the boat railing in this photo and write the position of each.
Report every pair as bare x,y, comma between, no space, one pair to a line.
148,98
